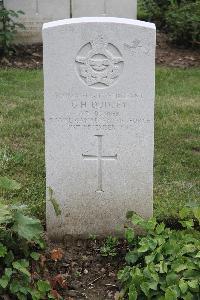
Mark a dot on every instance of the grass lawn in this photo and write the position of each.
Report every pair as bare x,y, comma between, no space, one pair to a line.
177,144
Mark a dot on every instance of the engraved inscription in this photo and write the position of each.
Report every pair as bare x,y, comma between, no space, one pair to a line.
137,46
99,158
101,110
99,63
133,46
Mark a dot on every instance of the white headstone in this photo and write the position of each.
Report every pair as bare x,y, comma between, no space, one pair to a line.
109,8
37,12
99,116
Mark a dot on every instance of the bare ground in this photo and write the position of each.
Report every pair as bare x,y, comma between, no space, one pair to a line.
30,57
82,273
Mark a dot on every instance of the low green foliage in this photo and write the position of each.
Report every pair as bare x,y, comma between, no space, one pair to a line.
183,23
163,264
109,247
20,240
179,18
9,26
153,10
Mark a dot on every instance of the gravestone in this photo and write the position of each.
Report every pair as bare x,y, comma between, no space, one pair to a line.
37,12
112,8
99,119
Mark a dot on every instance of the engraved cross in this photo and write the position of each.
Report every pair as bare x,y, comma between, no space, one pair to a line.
99,158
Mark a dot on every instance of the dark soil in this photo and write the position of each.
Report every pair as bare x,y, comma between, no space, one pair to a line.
82,273
171,56
30,57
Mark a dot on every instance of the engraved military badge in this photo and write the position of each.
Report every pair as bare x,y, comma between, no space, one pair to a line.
99,63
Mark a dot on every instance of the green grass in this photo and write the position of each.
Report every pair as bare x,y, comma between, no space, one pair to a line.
177,147
177,143
22,135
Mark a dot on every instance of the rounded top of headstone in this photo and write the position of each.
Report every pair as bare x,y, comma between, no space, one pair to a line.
98,20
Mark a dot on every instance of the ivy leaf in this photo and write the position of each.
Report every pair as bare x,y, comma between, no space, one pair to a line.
150,272
132,293
145,288
9,184
21,265
129,235
198,255
180,267
171,278
196,212
183,285
26,227
184,213
137,220
170,294
9,258
143,248
153,285
163,267
189,224
194,285
152,243
151,224
131,257
190,248
160,228
5,214
43,286
4,280
36,295
35,255
3,250
8,272
189,274
149,258
188,296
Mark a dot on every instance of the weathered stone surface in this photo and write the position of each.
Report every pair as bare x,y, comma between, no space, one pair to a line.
37,12
109,8
99,116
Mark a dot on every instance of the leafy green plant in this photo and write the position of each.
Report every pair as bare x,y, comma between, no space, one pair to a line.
9,157
179,18
93,237
9,27
163,264
21,237
154,11
183,24
109,247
